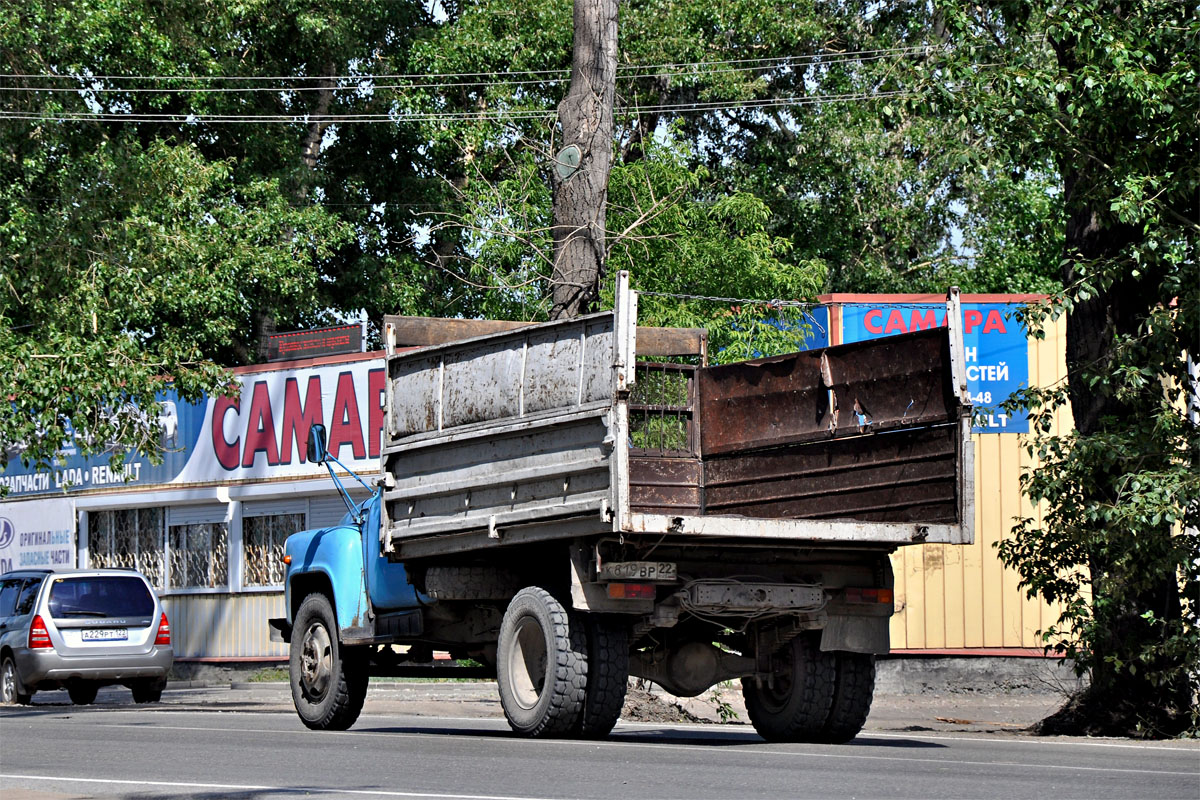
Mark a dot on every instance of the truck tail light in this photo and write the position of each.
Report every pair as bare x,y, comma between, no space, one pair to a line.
868,595
631,591
164,631
39,637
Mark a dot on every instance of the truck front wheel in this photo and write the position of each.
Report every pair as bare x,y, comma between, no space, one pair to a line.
329,681
541,665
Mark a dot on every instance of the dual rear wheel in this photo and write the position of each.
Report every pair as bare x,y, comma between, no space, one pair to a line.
560,673
815,695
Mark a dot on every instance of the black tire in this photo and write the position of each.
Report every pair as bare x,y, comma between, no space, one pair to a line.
541,666
82,693
607,677
853,691
471,583
10,685
147,691
329,681
797,706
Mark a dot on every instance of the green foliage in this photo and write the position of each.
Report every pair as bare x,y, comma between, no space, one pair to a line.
672,225
125,269
852,166
680,235
137,255
1107,93
1110,546
726,713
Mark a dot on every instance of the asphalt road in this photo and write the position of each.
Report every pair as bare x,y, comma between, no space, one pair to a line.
213,745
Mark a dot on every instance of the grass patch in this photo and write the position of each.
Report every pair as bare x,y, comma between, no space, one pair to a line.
269,675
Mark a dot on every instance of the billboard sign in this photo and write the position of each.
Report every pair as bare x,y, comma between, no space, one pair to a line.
37,535
997,353
318,342
259,435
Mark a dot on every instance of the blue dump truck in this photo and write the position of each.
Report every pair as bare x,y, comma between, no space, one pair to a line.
561,512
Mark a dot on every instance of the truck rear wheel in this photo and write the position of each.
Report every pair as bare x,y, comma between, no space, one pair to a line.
852,695
796,706
541,665
607,676
329,681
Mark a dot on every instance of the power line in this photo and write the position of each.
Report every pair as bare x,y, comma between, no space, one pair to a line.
456,116
775,60
362,86
908,49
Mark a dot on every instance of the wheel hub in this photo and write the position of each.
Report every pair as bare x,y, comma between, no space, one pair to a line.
527,663
316,661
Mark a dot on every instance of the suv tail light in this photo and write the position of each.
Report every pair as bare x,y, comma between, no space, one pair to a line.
39,637
164,631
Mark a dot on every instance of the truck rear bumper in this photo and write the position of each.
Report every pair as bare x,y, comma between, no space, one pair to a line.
807,530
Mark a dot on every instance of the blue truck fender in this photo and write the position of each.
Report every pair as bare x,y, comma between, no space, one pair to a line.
329,560
361,586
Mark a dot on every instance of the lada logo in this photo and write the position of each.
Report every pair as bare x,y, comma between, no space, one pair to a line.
7,532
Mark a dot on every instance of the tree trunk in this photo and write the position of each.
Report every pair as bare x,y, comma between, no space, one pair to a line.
1116,700
318,124
586,115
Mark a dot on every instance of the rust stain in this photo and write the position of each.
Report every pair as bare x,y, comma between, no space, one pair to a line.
934,558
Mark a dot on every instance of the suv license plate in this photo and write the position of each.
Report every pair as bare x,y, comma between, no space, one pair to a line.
638,571
104,634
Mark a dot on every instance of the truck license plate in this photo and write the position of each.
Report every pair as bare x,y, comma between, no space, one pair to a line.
637,571
104,634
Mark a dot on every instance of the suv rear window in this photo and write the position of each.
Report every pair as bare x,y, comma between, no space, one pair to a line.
100,596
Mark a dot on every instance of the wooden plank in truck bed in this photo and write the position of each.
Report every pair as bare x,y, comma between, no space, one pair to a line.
428,331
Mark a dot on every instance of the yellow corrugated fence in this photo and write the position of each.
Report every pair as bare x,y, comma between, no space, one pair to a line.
961,597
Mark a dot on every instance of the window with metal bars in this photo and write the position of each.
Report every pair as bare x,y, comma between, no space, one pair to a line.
198,556
130,538
262,547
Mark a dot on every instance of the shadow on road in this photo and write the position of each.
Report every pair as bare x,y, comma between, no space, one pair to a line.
673,736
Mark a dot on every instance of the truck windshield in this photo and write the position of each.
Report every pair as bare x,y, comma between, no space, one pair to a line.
100,596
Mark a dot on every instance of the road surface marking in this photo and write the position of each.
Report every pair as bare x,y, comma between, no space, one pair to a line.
282,789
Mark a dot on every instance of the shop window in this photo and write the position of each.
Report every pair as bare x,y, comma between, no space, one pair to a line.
198,555
129,538
262,546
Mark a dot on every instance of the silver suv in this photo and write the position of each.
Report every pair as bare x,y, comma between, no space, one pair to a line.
82,629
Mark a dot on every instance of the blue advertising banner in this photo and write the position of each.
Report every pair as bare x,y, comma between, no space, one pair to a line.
179,427
996,349
818,321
